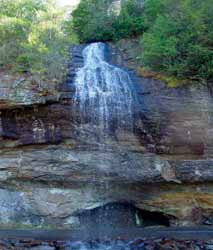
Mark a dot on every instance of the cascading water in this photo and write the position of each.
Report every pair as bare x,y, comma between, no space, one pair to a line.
104,107
103,94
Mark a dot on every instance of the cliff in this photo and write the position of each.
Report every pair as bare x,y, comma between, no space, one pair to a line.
49,180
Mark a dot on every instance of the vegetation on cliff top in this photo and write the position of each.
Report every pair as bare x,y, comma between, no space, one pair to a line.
33,37
179,40
95,20
176,36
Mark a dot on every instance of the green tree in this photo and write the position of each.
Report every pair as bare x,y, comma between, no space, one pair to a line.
92,21
180,40
95,20
151,10
129,23
33,37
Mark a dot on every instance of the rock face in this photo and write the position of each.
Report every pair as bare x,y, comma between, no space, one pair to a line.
49,177
25,90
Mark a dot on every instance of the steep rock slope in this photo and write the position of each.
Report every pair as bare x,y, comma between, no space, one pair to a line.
48,178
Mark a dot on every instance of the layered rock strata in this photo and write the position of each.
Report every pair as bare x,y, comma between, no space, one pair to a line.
48,177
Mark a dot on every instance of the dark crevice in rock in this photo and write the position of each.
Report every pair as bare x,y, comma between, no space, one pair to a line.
119,214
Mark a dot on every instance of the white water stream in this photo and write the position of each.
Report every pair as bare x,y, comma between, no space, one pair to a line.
103,93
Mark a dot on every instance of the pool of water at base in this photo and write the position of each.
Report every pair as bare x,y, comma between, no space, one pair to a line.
106,245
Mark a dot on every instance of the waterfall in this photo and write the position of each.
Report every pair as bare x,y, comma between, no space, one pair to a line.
103,97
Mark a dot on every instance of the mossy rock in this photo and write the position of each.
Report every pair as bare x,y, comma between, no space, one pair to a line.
170,81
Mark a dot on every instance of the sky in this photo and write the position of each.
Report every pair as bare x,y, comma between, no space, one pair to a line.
67,2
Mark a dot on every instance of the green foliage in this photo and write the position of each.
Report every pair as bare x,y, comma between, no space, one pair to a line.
95,20
90,21
150,12
33,38
129,23
179,42
177,35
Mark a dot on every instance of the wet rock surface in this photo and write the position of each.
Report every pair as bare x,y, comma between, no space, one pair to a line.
179,120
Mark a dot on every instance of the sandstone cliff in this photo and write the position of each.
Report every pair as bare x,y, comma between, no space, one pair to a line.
48,180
